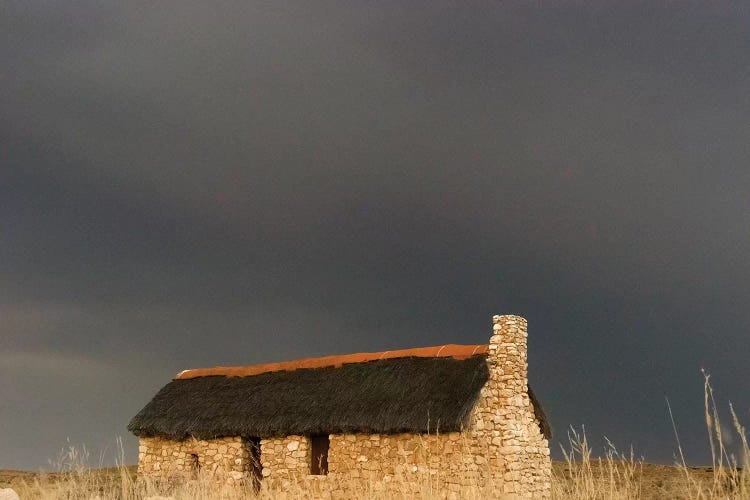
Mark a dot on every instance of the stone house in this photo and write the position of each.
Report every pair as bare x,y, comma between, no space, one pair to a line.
456,415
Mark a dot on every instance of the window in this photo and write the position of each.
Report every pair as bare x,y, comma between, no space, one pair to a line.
193,465
319,456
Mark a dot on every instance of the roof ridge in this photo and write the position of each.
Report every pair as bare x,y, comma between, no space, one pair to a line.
457,351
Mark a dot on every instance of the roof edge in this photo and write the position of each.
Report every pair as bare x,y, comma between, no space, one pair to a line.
457,351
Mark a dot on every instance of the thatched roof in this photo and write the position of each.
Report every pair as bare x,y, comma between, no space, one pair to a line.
389,395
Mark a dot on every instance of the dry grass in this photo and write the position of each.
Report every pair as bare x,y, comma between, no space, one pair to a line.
595,480
613,476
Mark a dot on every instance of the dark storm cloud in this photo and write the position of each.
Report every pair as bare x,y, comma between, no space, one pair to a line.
194,184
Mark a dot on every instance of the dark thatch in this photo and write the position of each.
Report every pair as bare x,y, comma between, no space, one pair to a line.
387,396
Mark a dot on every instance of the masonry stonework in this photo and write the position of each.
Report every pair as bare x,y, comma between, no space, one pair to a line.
285,460
382,463
393,461
226,459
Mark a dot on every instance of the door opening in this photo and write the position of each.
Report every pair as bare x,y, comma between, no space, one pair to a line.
252,445
194,465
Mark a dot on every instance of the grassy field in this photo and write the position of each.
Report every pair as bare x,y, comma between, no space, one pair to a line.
579,480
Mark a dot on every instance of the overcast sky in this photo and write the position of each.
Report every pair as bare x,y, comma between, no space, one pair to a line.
187,184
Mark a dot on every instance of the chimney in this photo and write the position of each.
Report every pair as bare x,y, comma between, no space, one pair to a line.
508,359
523,467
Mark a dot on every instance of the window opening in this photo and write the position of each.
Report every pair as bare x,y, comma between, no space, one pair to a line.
194,465
319,455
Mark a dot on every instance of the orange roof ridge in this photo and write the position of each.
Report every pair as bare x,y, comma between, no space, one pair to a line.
443,351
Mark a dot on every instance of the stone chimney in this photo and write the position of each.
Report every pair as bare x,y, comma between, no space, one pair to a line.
508,359
504,420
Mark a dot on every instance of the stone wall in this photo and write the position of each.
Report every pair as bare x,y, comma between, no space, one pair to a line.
398,460
285,460
396,463
362,462
226,459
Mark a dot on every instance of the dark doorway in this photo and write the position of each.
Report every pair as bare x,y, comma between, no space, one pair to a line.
319,457
252,445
